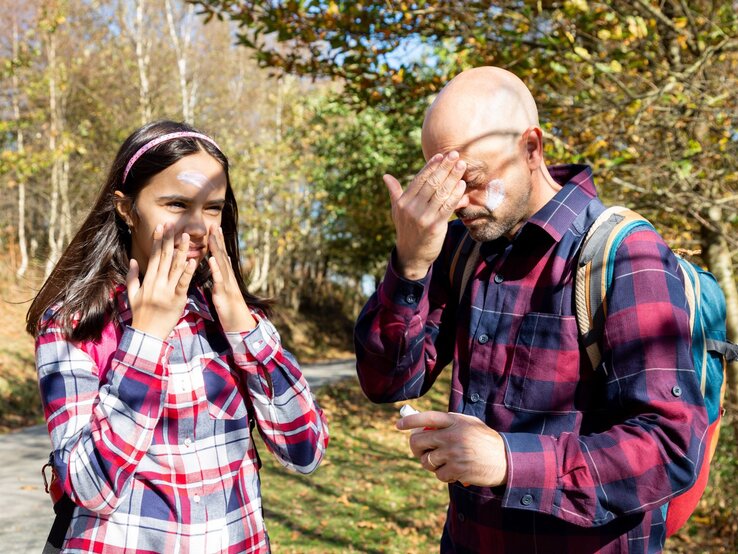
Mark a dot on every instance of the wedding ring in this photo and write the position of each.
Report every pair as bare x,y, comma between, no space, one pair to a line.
434,466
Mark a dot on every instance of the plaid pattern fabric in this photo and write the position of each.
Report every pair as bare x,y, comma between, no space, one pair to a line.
593,453
153,439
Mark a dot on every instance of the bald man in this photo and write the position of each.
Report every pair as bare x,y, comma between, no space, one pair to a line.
542,452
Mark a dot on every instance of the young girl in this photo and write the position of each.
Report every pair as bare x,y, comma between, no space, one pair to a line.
155,363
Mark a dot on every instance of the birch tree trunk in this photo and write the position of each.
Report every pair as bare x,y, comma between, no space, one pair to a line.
21,271
260,275
181,49
143,49
53,230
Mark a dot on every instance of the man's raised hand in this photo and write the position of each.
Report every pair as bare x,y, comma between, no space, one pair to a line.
421,212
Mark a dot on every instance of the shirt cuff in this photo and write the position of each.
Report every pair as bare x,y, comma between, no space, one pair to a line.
398,291
532,471
143,352
261,342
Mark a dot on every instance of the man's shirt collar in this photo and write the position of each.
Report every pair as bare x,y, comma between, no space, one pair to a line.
577,191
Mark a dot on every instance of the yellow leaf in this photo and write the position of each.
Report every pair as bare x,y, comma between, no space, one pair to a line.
582,53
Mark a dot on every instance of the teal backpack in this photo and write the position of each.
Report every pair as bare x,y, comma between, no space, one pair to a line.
711,350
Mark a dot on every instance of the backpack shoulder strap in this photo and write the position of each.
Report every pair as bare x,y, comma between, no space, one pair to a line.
463,262
594,273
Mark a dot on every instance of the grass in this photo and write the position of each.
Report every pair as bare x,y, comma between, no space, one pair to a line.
369,494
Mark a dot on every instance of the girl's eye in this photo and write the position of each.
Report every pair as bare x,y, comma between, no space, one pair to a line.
176,205
214,209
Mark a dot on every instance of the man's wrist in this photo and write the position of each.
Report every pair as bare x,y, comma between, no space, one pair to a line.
412,271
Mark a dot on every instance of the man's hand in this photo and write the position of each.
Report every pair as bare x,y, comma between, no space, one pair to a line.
457,447
421,212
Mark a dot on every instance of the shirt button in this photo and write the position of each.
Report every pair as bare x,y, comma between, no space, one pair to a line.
196,498
188,442
474,397
410,299
460,516
676,390
527,500
483,339
499,279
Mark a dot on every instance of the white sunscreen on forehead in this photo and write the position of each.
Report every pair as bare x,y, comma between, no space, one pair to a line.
194,178
495,194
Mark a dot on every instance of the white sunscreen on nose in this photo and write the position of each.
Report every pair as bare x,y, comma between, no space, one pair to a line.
194,178
495,194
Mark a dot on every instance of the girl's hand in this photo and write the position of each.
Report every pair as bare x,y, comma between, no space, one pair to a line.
233,312
158,301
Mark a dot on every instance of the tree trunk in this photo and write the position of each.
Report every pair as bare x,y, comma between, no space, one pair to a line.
143,47
181,49
717,255
21,271
54,226
261,270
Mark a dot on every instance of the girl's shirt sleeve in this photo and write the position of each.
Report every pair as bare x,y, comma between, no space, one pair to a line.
101,429
291,423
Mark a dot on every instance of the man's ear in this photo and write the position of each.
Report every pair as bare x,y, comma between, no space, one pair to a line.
124,207
533,137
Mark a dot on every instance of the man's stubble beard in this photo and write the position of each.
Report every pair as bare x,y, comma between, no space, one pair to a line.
493,228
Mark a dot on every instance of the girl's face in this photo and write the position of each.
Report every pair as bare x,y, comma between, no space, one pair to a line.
190,195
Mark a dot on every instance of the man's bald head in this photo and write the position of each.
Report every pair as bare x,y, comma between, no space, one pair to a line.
484,104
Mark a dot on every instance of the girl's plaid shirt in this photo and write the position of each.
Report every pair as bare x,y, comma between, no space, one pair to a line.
153,439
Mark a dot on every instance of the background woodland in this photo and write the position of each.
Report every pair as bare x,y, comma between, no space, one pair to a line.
314,100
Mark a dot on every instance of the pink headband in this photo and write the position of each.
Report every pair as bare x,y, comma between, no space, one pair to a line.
158,140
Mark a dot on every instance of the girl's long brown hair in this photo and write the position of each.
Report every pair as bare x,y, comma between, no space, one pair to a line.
79,289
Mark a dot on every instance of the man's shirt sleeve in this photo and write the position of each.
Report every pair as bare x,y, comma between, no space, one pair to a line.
651,448
399,352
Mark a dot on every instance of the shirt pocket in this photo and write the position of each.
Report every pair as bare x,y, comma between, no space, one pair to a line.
223,391
544,373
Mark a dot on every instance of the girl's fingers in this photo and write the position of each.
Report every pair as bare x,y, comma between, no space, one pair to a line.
132,282
183,283
167,250
180,257
215,270
218,251
155,257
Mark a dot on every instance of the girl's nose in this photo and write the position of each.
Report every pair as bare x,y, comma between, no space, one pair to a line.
195,225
